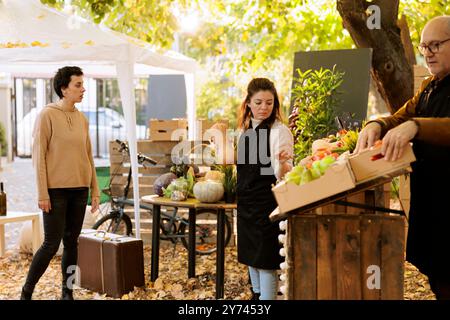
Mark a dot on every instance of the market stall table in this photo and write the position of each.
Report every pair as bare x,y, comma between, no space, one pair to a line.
192,205
341,256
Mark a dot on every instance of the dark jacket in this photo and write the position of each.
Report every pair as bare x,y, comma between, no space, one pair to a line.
429,218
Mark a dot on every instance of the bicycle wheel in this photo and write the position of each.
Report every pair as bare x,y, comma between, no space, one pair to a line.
113,223
168,229
205,232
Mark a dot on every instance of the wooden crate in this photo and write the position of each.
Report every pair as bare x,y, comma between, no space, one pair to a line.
202,125
120,165
342,256
161,151
163,130
420,74
405,193
379,196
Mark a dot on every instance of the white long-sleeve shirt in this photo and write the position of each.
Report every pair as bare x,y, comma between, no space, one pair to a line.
280,139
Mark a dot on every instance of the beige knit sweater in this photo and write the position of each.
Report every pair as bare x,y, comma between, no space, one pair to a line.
62,152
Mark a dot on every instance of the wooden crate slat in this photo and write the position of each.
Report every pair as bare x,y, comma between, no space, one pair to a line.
370,256
326,258
387,195
165,147
147,146
305,258
348,257
341,256
393,268
159,158
357,198
149,170
117,190
144,180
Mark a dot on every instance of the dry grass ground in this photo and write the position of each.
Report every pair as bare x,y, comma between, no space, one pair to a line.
172,282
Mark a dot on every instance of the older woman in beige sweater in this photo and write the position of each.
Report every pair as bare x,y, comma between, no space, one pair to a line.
65,171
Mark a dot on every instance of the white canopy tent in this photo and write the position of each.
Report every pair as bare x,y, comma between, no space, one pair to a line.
36,37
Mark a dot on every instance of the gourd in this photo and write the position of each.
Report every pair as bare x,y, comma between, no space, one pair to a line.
208,191
163,181
214,175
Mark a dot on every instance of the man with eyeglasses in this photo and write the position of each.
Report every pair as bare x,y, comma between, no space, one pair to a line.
425,120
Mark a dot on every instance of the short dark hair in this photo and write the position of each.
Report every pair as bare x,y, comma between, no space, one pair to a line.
62,78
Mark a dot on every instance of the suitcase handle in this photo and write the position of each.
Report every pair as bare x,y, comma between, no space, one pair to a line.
100,231
103,234
104,237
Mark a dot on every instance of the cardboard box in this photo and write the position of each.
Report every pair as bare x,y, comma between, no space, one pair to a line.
202,125
338,178
368,165
168,130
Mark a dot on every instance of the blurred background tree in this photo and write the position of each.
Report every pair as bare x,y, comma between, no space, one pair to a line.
236,40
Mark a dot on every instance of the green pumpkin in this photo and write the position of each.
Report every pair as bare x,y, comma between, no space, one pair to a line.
208,191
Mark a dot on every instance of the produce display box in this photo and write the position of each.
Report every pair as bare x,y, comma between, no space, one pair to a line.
369,163
342,257
168,130
337,178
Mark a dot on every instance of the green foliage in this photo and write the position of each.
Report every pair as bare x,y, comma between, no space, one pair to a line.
229,180
418,13
395,188
148,20
315,94
3,144
241,38
215,103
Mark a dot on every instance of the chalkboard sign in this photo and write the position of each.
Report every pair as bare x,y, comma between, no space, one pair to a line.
355,63
166,97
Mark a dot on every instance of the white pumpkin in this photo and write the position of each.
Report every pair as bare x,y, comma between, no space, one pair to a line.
208,191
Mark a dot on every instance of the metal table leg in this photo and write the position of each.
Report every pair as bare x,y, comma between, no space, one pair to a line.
191,242
220,256
155,242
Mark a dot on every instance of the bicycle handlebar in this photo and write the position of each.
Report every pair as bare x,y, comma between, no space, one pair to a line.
141,158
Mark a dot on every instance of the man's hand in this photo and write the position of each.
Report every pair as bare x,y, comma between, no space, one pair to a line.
94,204
368,136
45,205
395,140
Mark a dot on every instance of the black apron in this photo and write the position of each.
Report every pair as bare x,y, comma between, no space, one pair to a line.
429,218
258,244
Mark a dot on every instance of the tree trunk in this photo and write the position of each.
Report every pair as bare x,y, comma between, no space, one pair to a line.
390,67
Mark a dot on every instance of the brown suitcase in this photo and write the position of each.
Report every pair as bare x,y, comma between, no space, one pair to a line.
110,263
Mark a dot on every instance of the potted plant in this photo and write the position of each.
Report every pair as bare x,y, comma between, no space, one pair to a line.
229,181
315,94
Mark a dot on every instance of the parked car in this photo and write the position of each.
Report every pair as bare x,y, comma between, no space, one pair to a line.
111,126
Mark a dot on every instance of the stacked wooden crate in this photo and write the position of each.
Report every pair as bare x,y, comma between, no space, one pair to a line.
420,74
161,151
120,166
341,256
168,130
379,196
203,125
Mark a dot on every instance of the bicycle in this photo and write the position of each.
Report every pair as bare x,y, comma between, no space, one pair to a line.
172,226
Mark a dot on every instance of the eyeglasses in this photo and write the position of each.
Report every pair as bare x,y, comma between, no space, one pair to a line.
433,46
